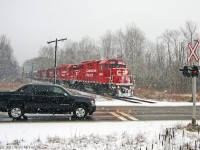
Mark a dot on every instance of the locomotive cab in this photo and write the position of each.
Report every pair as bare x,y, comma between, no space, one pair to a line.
71,74
116,74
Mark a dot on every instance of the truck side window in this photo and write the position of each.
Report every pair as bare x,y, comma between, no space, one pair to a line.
26,90
56,91
40,90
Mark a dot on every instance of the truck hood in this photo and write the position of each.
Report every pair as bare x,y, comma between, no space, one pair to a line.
83,97
6,92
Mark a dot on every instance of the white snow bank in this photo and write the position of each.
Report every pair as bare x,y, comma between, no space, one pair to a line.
30,131
89,135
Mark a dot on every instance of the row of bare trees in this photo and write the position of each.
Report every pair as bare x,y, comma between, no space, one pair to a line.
166,56
8,65
154,64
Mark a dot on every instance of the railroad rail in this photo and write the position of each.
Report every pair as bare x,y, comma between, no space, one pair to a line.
135,100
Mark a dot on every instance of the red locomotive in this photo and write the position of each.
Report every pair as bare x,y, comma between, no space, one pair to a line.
103,76
41,74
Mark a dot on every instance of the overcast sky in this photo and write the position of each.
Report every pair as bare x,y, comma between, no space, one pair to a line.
29,24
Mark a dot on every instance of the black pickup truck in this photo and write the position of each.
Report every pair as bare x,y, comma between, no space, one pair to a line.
45,98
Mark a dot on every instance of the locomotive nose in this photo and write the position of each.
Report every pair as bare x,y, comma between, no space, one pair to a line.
122,72
126,72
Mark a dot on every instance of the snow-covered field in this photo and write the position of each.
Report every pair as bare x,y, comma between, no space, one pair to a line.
98,135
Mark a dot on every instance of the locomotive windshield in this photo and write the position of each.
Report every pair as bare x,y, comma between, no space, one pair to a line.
117,66
112,66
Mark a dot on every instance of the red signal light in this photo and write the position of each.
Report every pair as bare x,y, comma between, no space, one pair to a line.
195,71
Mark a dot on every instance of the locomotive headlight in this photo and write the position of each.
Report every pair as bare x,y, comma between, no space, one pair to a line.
118,86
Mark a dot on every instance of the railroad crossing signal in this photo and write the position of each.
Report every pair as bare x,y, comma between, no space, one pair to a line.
194,73
187,72
193,52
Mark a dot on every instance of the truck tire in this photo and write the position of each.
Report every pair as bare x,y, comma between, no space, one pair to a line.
80,112
15,112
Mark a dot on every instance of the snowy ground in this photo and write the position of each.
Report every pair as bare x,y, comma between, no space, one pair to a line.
98,135
108,101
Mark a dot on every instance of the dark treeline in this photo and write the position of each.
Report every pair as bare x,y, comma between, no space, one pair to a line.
154,64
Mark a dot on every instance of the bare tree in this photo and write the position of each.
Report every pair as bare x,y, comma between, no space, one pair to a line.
68,54
107,45
190,31
47,51
119,43
134,48
88,50
8,65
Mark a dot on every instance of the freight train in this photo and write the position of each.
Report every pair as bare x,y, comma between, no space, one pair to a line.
109,76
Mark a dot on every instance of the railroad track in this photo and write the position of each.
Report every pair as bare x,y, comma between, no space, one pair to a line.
135,100
127,99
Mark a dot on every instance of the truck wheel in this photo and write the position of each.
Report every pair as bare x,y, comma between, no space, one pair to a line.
80,112
15,112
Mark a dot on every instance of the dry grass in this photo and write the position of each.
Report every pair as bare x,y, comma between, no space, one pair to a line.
193,128
10,86
164,95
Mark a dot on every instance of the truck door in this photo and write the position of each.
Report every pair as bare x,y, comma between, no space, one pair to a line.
40,99
25,94
59,99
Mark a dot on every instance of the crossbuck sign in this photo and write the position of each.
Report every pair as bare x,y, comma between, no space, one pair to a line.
193,52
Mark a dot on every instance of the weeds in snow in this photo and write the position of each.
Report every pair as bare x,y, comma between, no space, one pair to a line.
16,142
54,139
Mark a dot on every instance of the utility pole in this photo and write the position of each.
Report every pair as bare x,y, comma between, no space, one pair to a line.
194,100
32,73
55,65
22,74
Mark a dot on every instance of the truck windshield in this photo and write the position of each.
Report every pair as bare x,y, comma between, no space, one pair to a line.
24,89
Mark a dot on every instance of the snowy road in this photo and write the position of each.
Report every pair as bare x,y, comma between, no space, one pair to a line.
119,113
